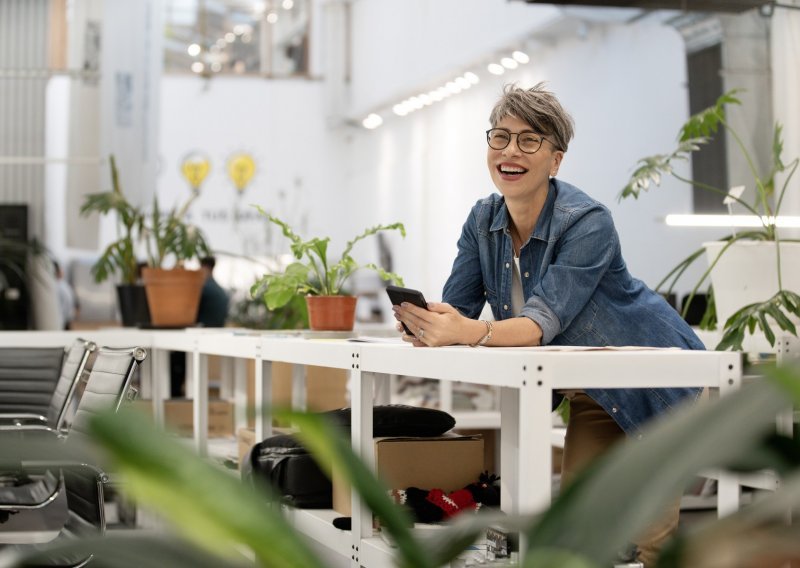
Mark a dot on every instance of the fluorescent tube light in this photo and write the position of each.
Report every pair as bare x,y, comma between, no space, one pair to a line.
730,221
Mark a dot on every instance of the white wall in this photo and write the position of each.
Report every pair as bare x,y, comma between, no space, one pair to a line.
400,46
282,125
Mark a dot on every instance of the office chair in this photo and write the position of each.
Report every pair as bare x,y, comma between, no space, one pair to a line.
63,402
62,498
28,377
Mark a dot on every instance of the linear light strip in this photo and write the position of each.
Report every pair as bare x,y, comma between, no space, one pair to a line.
674,220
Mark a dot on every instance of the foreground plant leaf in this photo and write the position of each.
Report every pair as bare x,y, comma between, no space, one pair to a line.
206,504
132,550
630,487
332,451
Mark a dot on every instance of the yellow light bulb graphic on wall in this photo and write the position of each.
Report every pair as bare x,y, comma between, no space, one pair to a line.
195,168
241,168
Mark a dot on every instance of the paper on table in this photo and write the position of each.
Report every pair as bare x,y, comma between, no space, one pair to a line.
376,339
606,348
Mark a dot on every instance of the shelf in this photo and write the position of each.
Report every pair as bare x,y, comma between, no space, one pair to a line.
317,524
472,420
765,479
376,553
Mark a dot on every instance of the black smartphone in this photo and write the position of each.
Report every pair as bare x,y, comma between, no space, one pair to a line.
398,295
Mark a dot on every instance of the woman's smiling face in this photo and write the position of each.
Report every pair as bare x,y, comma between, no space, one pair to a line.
517,174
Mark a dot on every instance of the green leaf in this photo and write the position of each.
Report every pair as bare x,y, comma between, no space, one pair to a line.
207,505
332,451
705,436
129,551
321,277
755,535
755,315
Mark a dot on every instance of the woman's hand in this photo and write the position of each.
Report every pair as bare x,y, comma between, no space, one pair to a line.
441,324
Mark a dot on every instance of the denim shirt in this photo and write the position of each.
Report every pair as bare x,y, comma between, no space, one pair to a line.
576,288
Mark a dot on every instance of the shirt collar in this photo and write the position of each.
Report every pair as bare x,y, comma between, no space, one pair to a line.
502,219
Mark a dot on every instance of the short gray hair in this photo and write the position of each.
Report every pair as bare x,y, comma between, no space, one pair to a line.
540,109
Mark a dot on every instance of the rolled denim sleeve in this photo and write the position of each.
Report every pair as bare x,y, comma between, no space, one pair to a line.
585,252
464,289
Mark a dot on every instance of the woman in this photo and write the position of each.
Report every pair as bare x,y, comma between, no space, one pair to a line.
547,259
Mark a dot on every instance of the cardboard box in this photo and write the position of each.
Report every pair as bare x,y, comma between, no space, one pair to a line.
491,446
447,462
491,450
326,388
178,416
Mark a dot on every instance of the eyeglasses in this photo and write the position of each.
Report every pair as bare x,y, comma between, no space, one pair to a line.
528,142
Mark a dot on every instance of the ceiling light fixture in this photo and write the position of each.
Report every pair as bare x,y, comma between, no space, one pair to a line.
730,221
509,63
372,121
472,78
495,69
521,57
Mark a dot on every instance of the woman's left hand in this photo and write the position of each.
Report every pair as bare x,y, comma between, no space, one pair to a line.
439,325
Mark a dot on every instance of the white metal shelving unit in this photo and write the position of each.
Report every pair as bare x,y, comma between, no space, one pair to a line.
526,377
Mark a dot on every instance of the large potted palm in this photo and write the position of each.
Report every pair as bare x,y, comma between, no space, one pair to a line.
119,258
322,282
754,273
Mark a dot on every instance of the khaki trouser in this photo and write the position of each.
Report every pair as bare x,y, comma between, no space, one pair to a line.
590,432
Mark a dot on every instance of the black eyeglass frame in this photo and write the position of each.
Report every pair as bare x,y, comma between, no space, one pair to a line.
517,134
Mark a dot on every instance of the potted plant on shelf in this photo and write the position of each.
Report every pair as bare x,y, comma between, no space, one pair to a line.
320,281
173,291
754,273
120,256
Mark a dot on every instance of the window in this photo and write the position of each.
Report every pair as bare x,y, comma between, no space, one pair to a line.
709,166
261,37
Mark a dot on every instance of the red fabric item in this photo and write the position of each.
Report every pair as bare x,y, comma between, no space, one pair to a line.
453,503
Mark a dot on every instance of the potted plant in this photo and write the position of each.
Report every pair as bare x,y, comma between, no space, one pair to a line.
120,256
764,255
167,297
173,291
319,280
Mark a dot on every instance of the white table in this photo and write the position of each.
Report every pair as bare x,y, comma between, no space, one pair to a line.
527,377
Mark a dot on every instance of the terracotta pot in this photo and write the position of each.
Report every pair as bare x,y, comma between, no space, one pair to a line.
173,296
331,313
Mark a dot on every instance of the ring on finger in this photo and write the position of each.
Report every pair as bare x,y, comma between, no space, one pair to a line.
421,333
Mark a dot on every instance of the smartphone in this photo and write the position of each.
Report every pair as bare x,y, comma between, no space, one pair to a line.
398,295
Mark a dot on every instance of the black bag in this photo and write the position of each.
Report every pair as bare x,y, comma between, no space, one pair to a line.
399,420
286,465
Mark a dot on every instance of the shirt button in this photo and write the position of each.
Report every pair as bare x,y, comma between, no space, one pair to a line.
507,265
485,293
505,306
614,409
527,275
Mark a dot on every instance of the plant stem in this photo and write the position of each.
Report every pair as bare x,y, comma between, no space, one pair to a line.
707,187
760,191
